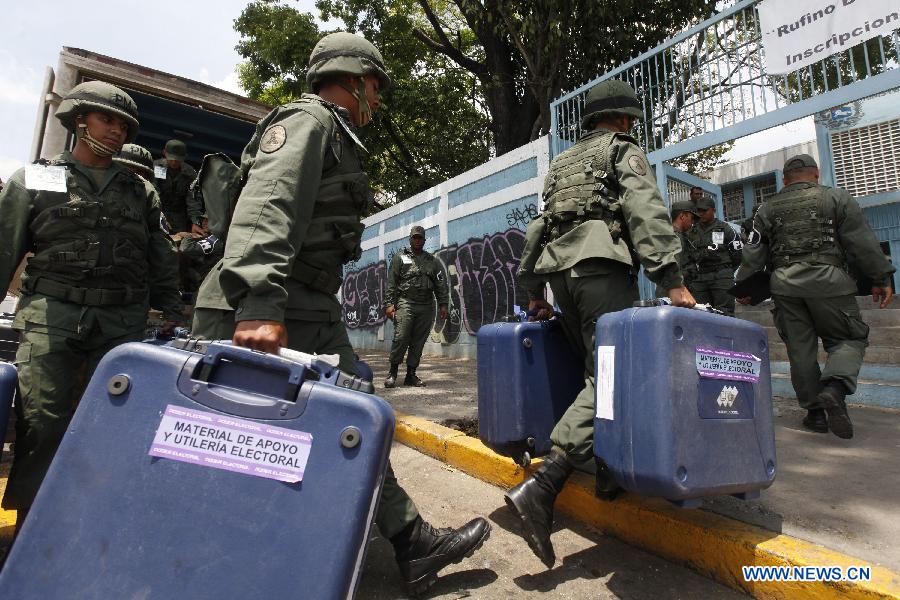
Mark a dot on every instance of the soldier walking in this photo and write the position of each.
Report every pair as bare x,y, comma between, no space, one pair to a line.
415,280
602,208
296,223
718,255
809,236
684,215
100,262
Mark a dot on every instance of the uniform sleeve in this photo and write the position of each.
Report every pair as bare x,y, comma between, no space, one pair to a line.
162,259
531,283
272,216
858,240
196,211
648,221
755,255
735,248
393,282
15,233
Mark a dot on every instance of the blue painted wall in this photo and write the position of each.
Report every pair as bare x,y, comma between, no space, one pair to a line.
494,182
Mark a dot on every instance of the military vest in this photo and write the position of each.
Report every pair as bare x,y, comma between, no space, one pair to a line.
581,187
344,197
713,246
86,241
415,279
802,229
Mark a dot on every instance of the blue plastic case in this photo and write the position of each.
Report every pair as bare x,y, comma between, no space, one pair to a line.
684,404
528,375
111,521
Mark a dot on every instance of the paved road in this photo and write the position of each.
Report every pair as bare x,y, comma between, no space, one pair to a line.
589,564
840,494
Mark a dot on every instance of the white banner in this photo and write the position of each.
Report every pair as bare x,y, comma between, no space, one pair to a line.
802,32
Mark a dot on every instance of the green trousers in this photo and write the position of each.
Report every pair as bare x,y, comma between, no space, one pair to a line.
396,510
412,324
54,369
712,289
801,322
582,300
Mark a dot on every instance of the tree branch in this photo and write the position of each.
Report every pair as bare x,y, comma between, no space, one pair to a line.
444,45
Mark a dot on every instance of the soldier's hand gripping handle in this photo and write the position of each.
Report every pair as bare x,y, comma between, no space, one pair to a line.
389,312
265,336
680,296
541,309
885,294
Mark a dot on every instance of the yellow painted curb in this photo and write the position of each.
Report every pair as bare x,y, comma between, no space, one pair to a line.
709,543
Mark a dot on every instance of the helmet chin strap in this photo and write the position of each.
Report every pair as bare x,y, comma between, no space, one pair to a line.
96,146
361,97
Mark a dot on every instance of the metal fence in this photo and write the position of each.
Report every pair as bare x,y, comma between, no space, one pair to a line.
701,84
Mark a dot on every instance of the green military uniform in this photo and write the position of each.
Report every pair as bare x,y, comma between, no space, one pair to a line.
174,187
296,223
414,282
100,262
687,258
813,291
718,251
603,214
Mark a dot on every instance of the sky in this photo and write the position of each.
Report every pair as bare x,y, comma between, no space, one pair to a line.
193,39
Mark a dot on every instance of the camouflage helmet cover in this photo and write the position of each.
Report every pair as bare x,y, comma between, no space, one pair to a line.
610,97
132,155
343,52
98,96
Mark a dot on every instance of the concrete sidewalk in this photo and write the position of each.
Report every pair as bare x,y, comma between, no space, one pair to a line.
843,495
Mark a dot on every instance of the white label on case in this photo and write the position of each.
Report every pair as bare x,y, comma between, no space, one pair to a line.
605,381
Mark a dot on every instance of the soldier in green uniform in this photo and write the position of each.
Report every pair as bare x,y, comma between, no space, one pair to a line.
414,281
296,223
603,218
173,180
718,255
136,159
809,236
100,262
684,213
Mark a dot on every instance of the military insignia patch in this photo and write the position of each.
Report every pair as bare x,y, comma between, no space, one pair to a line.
440,276
638,165
754,238
273,138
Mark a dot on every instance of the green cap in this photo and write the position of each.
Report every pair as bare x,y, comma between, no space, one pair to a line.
417,230
705,203
610,97
799,161
132,155
342,52
176,150
684,206
102,97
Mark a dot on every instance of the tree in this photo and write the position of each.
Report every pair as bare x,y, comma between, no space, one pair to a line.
529,52
430,127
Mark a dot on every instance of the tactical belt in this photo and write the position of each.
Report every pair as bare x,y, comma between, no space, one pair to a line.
85,296
811,257
317,279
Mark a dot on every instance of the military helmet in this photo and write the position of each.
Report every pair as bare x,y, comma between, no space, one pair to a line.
610,97
132,155
98,96
343,52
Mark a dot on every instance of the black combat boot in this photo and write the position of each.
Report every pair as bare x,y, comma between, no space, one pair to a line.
421,550
412,379
815,420
391,380
832,398
532,502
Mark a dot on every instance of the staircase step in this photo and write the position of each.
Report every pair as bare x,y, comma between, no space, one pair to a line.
886,337
874,317
874,354
879,385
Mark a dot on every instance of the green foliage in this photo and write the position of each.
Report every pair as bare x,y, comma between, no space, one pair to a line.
429,127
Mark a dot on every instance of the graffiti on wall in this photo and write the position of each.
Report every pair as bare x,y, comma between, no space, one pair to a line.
362,296
481,274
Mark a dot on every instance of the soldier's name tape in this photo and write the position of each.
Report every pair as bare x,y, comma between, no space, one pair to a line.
231,444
